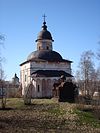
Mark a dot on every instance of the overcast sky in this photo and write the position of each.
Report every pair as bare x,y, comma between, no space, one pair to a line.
74,25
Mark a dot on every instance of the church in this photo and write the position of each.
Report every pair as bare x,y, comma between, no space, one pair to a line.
43,67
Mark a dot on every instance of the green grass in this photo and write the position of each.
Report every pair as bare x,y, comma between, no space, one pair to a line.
87,118
46,114
16,103
56,111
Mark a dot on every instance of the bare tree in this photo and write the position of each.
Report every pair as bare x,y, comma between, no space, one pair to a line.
98,53
2,81
2,92
2,38
86,73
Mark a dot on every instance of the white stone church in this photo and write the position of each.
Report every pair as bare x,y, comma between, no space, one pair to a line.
43,66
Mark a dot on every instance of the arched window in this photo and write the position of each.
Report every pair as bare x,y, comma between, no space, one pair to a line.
25,78
39,47
47,48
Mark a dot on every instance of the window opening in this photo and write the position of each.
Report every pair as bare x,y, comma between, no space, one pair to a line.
25,78
47,48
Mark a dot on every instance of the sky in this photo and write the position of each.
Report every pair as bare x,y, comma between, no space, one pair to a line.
74,25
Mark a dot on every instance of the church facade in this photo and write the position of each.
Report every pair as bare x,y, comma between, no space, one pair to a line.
43,67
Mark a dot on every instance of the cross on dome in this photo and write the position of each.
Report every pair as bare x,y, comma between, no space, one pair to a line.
44,16
44,23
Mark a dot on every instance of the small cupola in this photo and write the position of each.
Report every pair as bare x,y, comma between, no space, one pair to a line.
44,38
44,34
15,79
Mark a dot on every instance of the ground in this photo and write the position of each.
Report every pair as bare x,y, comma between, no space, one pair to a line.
46,116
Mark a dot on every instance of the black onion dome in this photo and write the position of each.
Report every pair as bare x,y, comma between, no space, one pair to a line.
44,34
45,55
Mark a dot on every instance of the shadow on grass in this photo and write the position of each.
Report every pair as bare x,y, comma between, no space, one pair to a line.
40,107
8,108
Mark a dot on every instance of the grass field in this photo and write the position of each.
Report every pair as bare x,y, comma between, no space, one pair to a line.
46,116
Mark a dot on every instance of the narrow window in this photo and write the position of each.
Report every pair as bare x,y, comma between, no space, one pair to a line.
39,47
25,78
47,48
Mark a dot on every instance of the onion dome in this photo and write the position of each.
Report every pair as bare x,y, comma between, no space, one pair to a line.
44,33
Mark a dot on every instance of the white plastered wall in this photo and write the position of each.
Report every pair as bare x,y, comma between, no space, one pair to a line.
28,68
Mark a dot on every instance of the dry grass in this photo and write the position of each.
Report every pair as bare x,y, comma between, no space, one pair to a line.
45,116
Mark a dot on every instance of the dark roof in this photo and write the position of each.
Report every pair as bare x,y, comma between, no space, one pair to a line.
40,60
44,34
50,73
46,55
